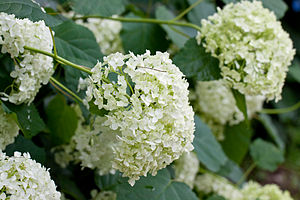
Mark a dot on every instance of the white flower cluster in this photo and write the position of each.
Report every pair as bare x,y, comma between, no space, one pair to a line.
215,103
31,69
8,129
210,183
186,168
107,33
214,184
92,147
154,122
253,49
103,195
253,191
23,178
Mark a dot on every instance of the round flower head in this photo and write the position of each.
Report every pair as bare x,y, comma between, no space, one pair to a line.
23,178
107,32
186,168
8,129
215,103
253,49
209,183
31,69
148,102
253,191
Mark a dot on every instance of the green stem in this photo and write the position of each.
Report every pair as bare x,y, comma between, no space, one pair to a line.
187,10
281,110
60,59
143,20
246,174
66,89
53,41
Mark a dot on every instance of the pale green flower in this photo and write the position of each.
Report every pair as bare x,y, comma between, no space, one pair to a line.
214,102
8,129
254,191
214,184
253,49
33,69
106,32
23,178
186,168
155,123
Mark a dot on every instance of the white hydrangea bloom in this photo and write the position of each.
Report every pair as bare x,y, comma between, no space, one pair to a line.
103,195
8,129
107,32
215,103
91,147
31,69
23,178
254,191
253,49
186,168
210,183
156,123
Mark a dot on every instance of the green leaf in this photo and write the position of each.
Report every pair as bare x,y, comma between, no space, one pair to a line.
240,101
196,64
159,187
137,37
294,70
178,38
78,45
95,7
231,170
69,187
95,110
271,129
28,119
108,181
216,197
23,145
279,7
208,150
237,141
62,120
201,11
7,66
27,9
266,155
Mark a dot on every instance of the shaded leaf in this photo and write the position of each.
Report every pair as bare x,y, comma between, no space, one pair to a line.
240,101
271,129
28,119
27,9
266,155
201,11
159,187
237,141
196,64
178,38
78,45
62,120
23,145
105,8
108,181
216,197
137,37
208,150
232,171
